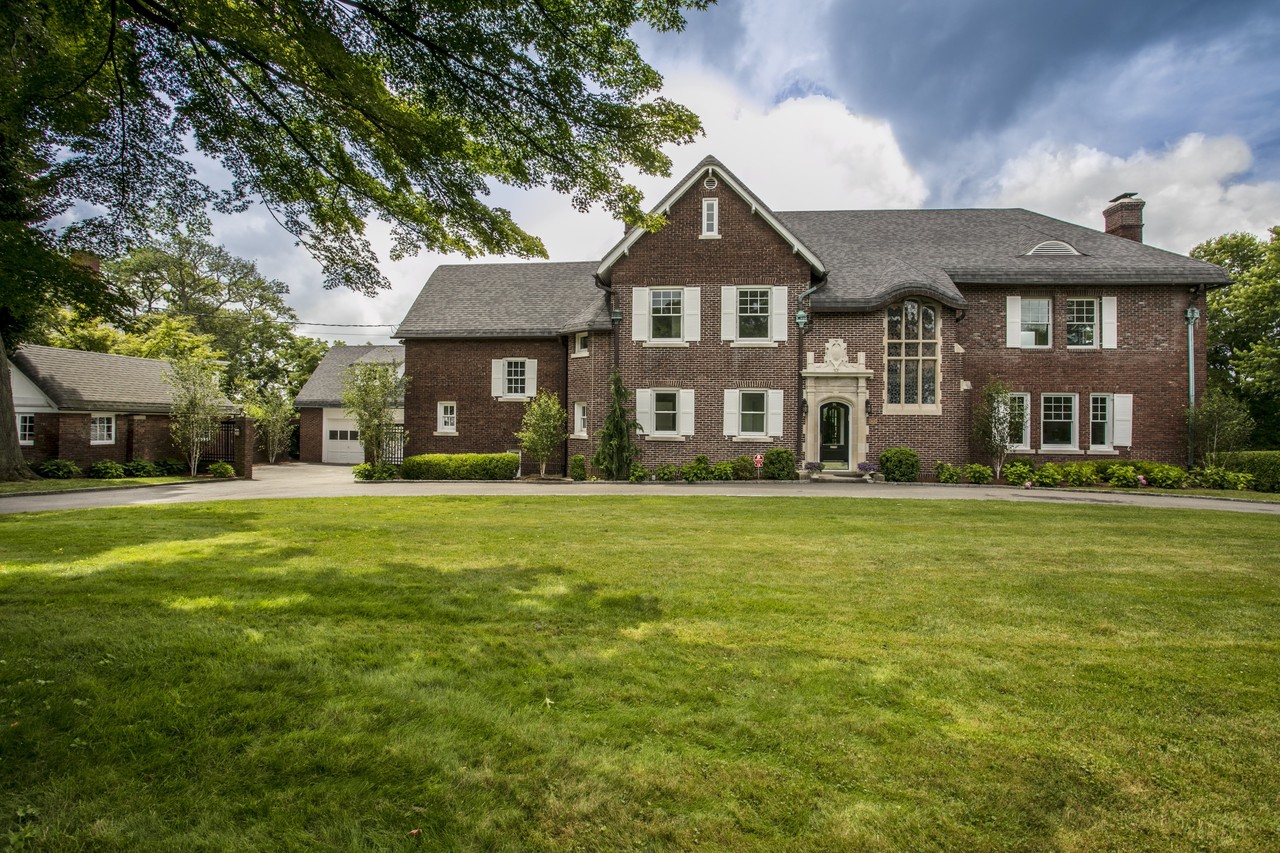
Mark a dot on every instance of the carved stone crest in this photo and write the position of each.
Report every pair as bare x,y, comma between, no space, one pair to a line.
836,354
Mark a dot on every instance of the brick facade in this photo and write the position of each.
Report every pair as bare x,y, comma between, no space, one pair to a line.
311,435
65,435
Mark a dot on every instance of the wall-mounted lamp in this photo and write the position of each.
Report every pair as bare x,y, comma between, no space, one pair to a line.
616,316
866,406
802,319
804,407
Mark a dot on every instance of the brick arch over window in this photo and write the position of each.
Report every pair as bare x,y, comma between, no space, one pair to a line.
913,356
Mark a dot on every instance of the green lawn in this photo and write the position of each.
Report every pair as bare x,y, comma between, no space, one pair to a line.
36,486
593,673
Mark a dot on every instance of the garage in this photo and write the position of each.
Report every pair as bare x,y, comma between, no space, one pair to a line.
341,439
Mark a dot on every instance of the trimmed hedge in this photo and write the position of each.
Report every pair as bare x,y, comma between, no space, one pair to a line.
461,466
577,467
779,464
106,470
1264,465
368,471
900,464
58,469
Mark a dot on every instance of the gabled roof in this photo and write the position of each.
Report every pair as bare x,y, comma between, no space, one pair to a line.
324,388
97,382
520,300
710,166
878,256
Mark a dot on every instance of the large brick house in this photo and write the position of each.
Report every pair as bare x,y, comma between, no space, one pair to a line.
835,334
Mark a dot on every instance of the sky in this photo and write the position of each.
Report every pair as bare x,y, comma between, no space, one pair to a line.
863,104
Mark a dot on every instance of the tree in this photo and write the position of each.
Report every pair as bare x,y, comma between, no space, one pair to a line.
273,413
542,428
1244,326
993,420
198,407
617,450
371,392
1222,425
328,112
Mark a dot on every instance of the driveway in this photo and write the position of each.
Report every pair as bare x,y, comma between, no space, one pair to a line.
304,480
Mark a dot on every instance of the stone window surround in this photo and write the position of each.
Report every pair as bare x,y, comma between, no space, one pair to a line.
934,408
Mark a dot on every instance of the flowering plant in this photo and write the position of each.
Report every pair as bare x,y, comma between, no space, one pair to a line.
868,467
1142,481
813,467
1026,485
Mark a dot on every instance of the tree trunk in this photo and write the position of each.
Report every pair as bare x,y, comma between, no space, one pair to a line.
12,465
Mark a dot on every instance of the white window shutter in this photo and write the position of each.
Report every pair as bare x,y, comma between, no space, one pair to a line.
640,314
693,313
778,307
498,377
644,409
531,376
728,313
1108,322
1122,420
774,414
731,411
686,411
1013,321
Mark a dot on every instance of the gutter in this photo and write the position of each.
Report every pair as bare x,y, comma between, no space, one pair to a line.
608,307
1192,315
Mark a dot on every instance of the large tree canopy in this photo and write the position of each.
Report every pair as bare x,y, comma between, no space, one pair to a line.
326,111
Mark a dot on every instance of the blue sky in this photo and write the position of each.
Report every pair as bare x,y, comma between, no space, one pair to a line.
821,104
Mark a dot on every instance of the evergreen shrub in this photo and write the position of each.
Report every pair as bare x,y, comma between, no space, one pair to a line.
779,464
900,464
461,466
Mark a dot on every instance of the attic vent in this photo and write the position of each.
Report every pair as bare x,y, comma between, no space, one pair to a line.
1054,247
710,183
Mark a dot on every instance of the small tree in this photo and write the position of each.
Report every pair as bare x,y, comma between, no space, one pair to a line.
542,428
992,419
371,393
617,451
272,412
198,407
1220,424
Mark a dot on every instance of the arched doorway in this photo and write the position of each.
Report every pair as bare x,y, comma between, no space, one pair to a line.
834,425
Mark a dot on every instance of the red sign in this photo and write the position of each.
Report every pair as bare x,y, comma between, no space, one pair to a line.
759,460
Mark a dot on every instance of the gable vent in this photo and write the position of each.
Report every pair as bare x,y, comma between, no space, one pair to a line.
1054,247
710,183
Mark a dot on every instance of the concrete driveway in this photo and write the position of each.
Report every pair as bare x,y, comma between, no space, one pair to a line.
303,480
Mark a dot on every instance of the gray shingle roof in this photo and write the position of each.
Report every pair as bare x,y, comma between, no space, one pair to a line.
875,256
95,381
324,388
526,300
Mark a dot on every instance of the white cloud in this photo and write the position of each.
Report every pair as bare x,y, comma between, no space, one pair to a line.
1192,189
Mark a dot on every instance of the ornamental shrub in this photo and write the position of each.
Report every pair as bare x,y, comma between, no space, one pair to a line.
978,474
380,471
174,467
639,473
900,464
106,470
1210,477
1018,472
1125,477
461,466
222,470
1167,477
577,467
141,468
744,468
1080,473
946,473
779,464
1264,465
667,473
722,471
58,469
1048,475
697,470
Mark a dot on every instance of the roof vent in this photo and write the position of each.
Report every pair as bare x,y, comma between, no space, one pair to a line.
1054,247
710,183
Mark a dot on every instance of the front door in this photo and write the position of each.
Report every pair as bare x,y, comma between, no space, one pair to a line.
834,420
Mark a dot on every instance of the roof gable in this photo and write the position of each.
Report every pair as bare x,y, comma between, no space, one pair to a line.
95,381
711,167
324,388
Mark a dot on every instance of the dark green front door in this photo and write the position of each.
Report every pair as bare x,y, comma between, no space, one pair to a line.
834,418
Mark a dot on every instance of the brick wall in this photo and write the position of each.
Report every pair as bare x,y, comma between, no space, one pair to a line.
65,435
311,435
45,445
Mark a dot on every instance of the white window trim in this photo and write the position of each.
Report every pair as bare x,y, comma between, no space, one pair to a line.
684,414
1109,444
26,442
498,379
690,317
773,420
1049,335
710,212
1026,420
1097,322
778,301
1045,447
581,345
101,441
579,414
441,429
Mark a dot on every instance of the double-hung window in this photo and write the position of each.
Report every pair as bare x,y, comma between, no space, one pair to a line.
753,315
580,420
1057,421
751,417
514,378
666,316
1100,429
666,311
26,429
446,416
912,353
665,413
710,217
1019,421
753,413
1082,323
102,429
1037,323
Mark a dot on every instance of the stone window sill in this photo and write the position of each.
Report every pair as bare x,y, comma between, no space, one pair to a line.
582,354
579,435
667,344
708,236
514,398
753,439
754,344
445,432
932,411
1060,451
664,438
1103,451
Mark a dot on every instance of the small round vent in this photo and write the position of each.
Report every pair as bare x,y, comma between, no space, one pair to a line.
710,183
1054,247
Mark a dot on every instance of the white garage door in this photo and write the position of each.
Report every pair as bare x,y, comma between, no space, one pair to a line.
342,442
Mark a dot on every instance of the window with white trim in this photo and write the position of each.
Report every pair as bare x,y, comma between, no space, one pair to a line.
102,429
666,316
753,314
710,217
26,429
1019,421
912,354
580,343
339,435
1101,430
1082,322
1037,323
665,413
753,413
515,378
1057,421
580,420
446,416
666,311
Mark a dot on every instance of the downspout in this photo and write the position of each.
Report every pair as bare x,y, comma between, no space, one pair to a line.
615,320
802,321
564,403
1193,314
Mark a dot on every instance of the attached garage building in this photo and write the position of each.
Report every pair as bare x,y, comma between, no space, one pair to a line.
328,433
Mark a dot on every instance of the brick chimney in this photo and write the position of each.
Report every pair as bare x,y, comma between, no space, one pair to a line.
1124,217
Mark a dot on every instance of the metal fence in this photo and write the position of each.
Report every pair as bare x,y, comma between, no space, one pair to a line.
393,447
222,446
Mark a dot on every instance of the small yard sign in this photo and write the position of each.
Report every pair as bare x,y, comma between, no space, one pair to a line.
759,460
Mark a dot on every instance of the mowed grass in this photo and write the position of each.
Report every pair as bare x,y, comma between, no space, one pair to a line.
37,486
639,673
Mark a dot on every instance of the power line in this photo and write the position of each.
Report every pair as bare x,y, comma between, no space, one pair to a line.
344,325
